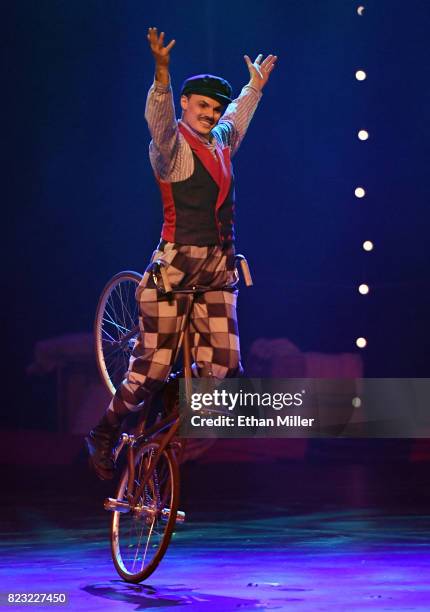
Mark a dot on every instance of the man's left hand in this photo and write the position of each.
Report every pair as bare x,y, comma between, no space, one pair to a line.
260,70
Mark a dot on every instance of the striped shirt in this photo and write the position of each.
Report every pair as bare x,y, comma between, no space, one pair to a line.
170,155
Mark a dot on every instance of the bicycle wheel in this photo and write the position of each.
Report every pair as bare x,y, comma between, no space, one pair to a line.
116,327
140,537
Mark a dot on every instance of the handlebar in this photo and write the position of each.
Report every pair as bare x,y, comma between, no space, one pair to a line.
244,266
159,273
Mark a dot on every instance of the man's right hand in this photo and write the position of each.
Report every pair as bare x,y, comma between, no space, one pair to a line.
161,55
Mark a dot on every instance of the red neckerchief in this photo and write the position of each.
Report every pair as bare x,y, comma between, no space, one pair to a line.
219,168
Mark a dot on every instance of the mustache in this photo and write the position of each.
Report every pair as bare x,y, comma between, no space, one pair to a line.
204,118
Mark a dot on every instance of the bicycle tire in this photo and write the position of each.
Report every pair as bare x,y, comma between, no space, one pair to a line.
116,318
130,534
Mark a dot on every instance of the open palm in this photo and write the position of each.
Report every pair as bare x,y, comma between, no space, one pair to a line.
260,70
160,52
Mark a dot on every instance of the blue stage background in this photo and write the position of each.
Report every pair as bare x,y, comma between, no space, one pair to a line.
84,203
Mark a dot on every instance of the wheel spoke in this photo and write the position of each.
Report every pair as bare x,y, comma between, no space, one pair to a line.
147,544
107,338
121,300
119,328
113,321
116,322
125,308
143,537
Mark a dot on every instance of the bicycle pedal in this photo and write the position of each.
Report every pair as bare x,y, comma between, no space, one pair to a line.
165,514
113,505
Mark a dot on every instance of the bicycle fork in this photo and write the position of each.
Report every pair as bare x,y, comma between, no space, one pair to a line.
140,510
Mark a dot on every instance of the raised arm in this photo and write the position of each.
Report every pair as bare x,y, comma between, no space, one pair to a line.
161,55
160,108
235,121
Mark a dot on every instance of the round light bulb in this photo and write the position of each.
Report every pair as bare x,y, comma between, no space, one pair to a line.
360,10
360,75
363,135
367,245
359,192
356,402
361,342
363,289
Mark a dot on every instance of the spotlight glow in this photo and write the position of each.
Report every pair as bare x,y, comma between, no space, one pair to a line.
359,192
363,289
356,402
360,75
361,342
363,134
360,10
368,245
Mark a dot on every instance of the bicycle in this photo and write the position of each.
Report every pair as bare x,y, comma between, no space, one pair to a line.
145,509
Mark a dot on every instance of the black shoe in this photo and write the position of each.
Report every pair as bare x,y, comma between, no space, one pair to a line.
100,443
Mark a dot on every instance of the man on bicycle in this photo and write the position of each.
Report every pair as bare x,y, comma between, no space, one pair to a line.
191,159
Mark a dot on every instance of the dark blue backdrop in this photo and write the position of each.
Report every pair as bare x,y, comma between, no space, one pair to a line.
84,202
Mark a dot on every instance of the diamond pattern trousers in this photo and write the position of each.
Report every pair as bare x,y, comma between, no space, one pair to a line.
212,322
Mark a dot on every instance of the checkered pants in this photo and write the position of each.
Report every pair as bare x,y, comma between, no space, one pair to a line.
213,327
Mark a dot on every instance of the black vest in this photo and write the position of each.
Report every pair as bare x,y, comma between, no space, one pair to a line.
193,211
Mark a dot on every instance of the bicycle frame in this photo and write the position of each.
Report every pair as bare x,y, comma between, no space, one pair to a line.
172,421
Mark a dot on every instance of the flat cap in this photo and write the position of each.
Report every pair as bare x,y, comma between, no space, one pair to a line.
208,85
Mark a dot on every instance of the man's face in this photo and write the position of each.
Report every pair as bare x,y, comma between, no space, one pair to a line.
201,113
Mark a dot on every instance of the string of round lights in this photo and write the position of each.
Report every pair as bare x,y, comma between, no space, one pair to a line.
360,191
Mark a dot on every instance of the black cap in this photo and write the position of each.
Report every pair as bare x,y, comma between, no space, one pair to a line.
208,85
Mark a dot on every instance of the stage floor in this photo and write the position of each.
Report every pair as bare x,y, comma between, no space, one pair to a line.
313,538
